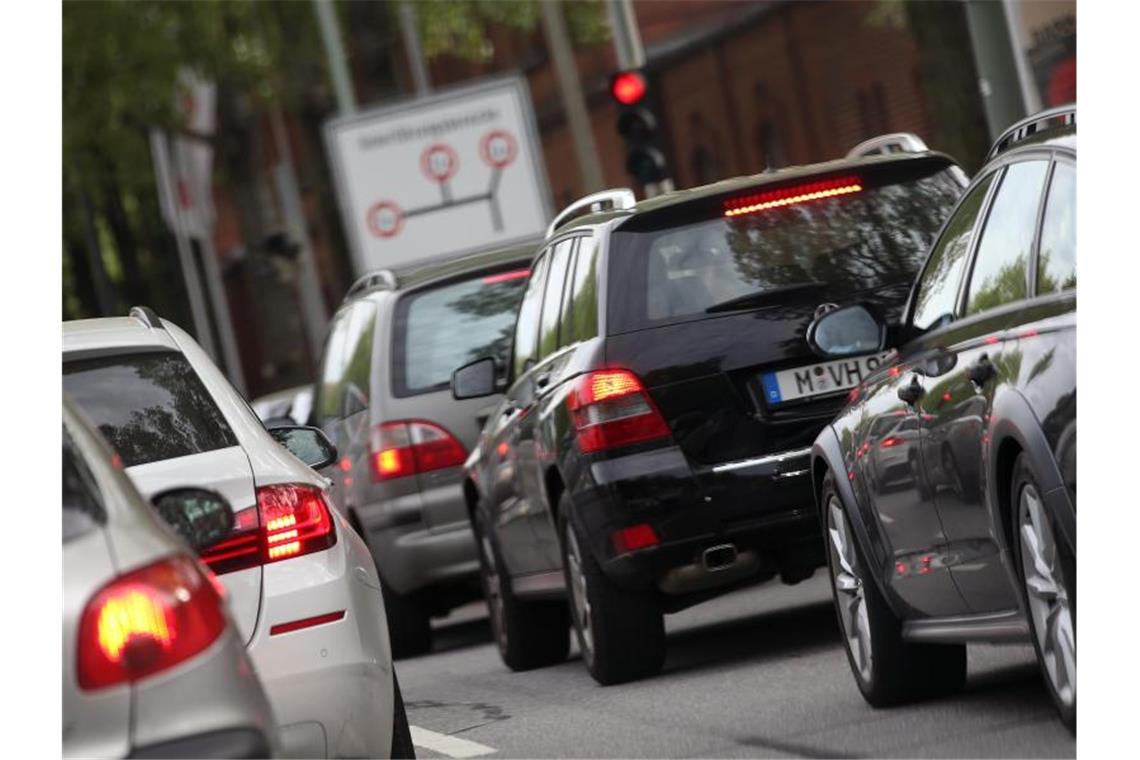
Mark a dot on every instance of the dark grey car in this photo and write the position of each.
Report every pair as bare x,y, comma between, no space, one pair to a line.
383,397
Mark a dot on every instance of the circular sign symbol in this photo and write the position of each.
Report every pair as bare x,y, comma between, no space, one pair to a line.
498,148
385,219
439,162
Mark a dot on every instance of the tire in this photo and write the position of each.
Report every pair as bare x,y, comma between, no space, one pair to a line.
401,732
1047,568
529,634
409,625
896,671
621,633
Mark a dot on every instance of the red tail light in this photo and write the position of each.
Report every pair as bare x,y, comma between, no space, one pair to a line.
611,408
789,196
408,447
640,536
289,520
145,622
889,442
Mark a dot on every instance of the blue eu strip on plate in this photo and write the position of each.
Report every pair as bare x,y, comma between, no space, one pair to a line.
771,388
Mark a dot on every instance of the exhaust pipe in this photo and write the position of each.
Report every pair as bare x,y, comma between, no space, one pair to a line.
719,557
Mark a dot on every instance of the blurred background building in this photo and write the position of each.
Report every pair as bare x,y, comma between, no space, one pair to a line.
738,88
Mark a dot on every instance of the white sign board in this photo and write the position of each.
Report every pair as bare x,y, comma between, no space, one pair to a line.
441,176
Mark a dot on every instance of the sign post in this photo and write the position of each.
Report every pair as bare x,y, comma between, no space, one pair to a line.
433,178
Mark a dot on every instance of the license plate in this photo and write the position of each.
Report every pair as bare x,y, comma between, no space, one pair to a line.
819,379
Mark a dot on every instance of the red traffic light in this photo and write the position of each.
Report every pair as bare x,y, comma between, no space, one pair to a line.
628,87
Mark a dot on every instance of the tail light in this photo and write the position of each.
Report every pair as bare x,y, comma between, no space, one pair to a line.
147,621
634,537
890,441
289,520
408,447
610,408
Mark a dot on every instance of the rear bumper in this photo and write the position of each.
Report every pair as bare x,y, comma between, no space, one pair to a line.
329,683
762,507
234,742
413,554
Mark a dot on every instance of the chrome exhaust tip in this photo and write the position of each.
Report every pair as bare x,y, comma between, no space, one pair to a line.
719,557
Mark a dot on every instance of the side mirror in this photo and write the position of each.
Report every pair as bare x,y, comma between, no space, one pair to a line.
309,444
474,380
847,331
201,517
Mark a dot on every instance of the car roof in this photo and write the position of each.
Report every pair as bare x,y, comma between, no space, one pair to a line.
92,335
745,183
415,276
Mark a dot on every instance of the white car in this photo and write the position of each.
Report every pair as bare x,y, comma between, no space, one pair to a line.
303,587
152,664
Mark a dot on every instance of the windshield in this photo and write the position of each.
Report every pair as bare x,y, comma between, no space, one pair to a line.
441,329
829,247
149,406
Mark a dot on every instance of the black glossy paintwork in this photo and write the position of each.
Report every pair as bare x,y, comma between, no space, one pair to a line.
937,530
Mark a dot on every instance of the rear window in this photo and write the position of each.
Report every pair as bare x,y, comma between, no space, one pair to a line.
440,329
149,406
697,258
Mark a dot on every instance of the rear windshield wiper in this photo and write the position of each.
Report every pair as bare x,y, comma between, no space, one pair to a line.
762,297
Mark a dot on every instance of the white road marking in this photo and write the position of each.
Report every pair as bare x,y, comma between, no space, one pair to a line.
452,746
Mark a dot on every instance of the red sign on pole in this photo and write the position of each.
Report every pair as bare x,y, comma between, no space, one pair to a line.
439,162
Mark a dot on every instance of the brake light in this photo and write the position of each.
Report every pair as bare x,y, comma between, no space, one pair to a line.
611,408
788,196
147,621
290,519
889,442
408,447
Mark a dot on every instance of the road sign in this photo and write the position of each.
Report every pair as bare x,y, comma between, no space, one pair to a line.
440,176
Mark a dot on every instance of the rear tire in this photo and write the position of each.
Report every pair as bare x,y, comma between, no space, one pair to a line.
887,669
529,634
1047,568
409,625
401,732
621,633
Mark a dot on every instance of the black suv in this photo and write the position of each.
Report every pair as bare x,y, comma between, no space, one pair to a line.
653,447
972,537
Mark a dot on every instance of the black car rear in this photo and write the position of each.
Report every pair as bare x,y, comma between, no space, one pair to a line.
653,448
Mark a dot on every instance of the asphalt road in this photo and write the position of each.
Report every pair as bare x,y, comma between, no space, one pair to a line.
758,673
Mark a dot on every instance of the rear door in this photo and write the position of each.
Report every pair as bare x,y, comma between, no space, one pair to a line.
982,354
169,433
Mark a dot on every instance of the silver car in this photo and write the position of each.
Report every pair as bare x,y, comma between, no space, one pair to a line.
153,666
383,397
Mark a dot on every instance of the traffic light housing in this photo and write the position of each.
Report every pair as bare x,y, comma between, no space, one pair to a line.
638,127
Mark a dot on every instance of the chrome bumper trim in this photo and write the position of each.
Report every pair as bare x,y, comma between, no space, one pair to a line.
768,459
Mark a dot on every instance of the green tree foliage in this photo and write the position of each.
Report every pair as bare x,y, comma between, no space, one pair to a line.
461,27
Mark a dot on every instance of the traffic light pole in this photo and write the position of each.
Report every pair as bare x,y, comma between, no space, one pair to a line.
627,38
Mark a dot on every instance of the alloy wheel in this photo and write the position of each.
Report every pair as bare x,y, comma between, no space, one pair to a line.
1047,596
492,587
849,592
579,595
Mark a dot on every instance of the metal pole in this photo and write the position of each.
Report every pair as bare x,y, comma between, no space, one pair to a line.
312,300
1029,91
334,51
997,70
409,29
627,37
168,195
573,101
222,313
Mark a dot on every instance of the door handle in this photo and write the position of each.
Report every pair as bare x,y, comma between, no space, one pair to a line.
981,371
542,381
912,391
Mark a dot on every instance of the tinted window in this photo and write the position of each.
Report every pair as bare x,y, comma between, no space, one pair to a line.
526,326
552,302
329,389
679,266
580,312
938,290
358,357
1001,264
82,507
441,329
149,406
1057,262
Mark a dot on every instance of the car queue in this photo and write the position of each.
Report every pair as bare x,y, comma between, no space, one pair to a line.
864,365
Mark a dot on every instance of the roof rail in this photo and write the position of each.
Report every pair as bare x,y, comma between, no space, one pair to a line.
146,315
1031,125
607,200
895,142
382,278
